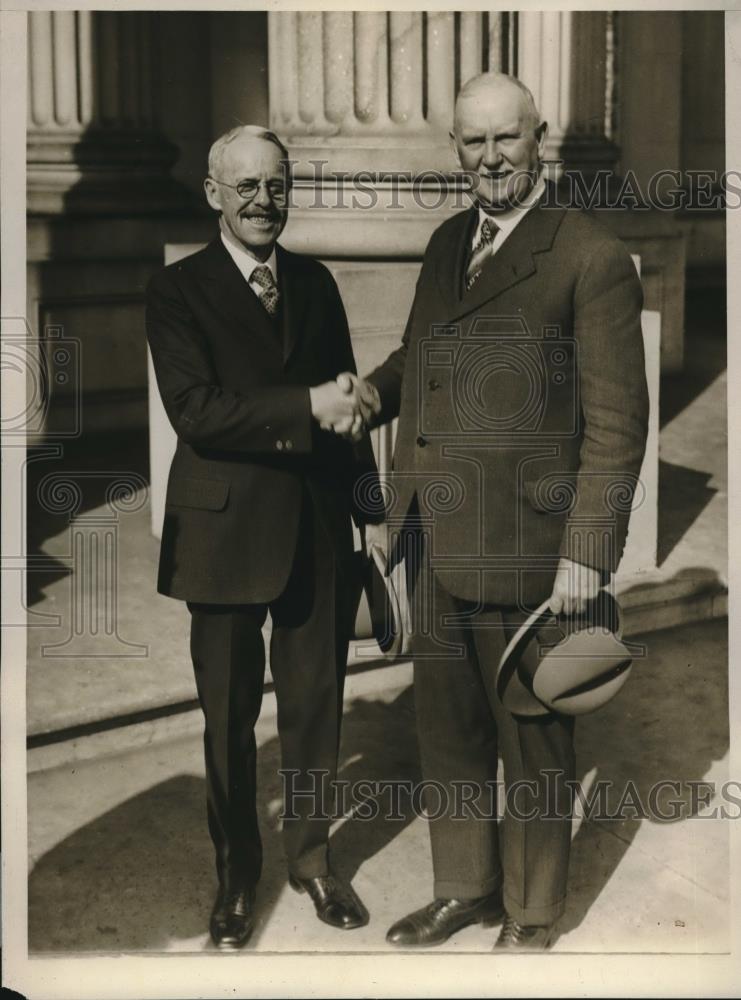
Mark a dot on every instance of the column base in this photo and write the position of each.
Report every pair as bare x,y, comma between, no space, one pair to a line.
102,172
86,281
659,239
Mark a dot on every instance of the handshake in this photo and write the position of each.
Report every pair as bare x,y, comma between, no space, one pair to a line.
345,406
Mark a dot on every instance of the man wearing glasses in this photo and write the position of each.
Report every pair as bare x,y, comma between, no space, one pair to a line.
247,340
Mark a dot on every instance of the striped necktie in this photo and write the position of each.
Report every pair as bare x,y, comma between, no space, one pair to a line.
263,277
482,251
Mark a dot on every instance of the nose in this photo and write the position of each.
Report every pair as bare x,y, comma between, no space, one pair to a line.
262,198
492,154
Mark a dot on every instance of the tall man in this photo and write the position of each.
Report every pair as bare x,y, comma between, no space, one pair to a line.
521,392
247,339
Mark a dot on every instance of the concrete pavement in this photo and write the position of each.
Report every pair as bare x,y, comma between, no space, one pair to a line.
121,860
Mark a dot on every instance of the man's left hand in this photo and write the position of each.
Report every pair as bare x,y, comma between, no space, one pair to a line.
575,585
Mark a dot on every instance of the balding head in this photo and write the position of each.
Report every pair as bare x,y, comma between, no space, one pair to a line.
500,86
243,133
499,139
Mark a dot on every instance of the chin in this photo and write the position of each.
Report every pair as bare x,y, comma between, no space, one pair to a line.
506,195
494,199
260,239
260,234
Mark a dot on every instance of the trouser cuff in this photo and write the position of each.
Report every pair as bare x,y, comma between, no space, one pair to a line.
534,916
460,889
312,864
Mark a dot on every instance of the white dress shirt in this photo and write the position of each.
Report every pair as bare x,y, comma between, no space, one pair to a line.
247,263
511,217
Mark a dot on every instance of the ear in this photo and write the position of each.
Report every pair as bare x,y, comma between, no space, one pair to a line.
541,134
213,193
454,146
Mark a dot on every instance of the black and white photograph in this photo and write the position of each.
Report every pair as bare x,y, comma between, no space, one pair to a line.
366,437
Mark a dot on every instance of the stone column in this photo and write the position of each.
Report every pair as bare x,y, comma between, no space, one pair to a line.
375,90
567,59
93,141
372,93
340,82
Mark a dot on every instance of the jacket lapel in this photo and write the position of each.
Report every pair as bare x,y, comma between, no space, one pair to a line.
514,261
234,298
450,264
294,297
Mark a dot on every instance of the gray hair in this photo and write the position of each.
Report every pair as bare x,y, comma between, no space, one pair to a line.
216,153
486,81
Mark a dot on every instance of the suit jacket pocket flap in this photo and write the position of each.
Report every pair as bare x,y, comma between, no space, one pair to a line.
205,494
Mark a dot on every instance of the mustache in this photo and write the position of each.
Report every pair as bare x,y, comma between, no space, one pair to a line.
274,216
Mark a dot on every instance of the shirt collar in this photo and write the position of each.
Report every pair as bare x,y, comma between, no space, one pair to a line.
507,220
246,262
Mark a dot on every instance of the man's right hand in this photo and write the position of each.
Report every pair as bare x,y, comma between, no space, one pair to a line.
333,409
367,404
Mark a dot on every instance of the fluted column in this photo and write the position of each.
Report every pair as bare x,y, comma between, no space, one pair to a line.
375,90
566,59
93,141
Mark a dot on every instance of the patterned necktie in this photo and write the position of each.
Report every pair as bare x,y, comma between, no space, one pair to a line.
263,277
481,252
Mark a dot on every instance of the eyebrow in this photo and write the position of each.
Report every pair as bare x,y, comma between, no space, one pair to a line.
274,179
505,133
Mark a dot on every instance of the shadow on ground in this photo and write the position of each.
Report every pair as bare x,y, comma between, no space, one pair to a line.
134,878
683,496
670,724
85,469
140,877
705,355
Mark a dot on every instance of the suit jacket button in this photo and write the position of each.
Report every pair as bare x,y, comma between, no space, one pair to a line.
279,445
289,444
421,442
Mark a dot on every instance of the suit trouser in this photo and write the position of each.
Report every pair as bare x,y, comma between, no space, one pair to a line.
461,726
308,658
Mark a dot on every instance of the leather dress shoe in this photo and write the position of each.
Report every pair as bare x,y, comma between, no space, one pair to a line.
435,922
232,918
335,901
514,937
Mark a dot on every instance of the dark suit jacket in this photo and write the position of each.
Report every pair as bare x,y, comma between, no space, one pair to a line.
523,403
235,385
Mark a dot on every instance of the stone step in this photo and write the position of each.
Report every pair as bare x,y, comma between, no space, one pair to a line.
650,603
166,722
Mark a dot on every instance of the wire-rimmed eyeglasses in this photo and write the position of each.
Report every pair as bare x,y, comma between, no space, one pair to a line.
247,189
